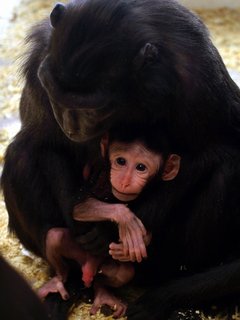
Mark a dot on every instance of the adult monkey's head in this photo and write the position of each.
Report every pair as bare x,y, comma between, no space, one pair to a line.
118,60
89,70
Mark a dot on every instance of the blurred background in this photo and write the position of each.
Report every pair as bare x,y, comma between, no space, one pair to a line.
209,4
16,17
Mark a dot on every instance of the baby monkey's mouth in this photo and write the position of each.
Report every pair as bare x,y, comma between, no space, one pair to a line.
123,196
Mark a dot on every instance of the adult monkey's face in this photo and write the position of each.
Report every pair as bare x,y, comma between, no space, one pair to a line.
82,113
87,68
77,115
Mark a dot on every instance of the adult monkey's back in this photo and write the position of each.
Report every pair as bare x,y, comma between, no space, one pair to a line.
148,62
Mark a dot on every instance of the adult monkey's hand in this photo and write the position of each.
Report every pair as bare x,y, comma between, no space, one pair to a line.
131,229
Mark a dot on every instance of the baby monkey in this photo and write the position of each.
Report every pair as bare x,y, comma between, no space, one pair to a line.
131,166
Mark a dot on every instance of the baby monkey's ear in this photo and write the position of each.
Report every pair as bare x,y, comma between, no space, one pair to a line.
172,167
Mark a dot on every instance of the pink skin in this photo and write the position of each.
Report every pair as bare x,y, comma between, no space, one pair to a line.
59,244
131,229
116,275
54,285
104,297
132,166
116,250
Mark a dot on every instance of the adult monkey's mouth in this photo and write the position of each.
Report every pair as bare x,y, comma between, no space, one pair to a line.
81,125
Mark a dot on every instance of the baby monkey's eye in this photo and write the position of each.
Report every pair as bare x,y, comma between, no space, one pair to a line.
141,167
121,161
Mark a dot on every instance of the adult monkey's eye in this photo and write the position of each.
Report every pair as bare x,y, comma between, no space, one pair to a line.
141,167
121,161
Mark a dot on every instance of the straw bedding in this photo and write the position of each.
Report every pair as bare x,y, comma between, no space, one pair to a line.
225,31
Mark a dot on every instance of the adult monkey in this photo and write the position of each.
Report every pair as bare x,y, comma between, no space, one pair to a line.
24,303
145,61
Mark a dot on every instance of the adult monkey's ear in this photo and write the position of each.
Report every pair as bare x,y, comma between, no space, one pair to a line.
57,14
148,53
171,168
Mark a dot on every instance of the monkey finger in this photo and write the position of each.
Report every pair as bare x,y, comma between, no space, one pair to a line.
121,258
140,249
94,309
63,292
42,292
139,242
124,240
117,253
138,246
141,226
143,250
131,250
52,286
120,310
139,229
116,246
137,253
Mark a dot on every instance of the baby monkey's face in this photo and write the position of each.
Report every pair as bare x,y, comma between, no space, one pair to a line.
132,166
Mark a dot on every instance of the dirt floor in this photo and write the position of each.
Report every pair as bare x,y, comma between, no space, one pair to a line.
225,31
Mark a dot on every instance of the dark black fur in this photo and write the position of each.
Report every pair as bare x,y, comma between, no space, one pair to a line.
146,62
18,301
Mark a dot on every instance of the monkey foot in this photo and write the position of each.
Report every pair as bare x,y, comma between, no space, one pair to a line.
53,286
104,297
